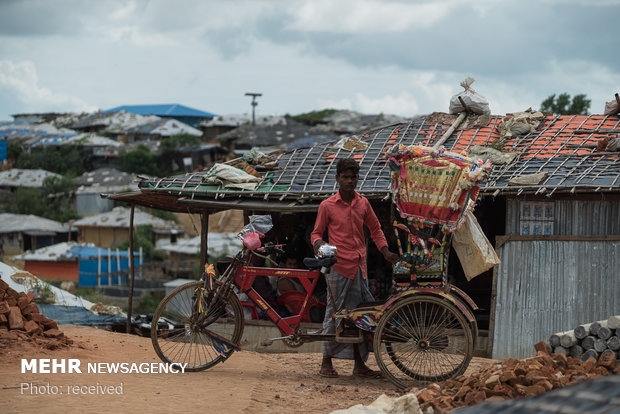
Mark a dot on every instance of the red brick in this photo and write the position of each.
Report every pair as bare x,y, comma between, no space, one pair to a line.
16,321
608,360
31,308
32,328
561,359
23,301
427,395
542,347
492,381
4,307
534,376
599,371
49,324
546,384
534,390
510,362
37,317
13,294
53,333
462,392
507,376
475,397
589,365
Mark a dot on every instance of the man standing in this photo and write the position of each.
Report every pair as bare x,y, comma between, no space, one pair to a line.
344,215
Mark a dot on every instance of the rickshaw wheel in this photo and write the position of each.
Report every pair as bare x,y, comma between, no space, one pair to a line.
178,336
422,338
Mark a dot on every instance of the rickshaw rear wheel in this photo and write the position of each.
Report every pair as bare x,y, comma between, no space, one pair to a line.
423,338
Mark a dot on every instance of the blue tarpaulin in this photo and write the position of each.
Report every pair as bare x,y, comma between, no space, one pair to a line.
78,315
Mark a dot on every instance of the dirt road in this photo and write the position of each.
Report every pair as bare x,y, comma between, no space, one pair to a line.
247,383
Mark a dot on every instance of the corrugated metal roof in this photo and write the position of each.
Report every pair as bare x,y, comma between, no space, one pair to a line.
163,110
11,223
17,177
119,218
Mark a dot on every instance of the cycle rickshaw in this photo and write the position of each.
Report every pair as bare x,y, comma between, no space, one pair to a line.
425,331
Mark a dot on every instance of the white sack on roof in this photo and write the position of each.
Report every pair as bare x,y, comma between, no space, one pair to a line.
475,102
529,179
520,123
495,156
230,177
351,144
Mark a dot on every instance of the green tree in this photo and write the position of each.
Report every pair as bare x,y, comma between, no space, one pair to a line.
140,161
170,150
61,159
178,141
563,105
53,200
142,237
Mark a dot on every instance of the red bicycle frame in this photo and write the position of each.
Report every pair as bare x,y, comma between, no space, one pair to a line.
244,278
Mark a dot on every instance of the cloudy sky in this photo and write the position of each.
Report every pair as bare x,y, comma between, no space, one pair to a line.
398,57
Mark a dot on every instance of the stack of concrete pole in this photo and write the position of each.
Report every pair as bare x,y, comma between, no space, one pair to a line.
591,340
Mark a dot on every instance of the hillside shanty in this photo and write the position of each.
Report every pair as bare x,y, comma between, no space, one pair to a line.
550,206
108,230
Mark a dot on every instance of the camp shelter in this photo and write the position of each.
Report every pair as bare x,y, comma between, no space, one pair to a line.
22,232
550,206
83,263
111,228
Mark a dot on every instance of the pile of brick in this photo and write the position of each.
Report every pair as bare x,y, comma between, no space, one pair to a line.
20,315
513,378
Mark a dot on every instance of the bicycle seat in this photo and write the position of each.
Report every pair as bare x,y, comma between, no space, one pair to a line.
313,264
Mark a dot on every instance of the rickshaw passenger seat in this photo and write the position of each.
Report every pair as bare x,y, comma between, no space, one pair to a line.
314,264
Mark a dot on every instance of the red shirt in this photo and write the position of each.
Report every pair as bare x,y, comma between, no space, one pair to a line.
345,225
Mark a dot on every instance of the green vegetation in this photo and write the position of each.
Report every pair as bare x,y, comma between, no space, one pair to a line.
44,293
178,141
147,303
53,200
314,117
62,159
90,294
143,237
562,104
141,161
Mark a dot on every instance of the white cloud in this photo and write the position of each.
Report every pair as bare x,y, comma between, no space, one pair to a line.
22,81
365,16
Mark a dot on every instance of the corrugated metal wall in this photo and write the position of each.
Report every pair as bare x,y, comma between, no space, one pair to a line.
544,287
574,217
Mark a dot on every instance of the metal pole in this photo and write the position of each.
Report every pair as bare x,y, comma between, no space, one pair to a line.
98,266
131,271
254,103
204,234
109,267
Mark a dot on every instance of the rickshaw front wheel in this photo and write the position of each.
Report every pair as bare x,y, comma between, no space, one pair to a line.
423,338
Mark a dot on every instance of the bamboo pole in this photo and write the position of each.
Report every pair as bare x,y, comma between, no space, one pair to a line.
131,271
450,130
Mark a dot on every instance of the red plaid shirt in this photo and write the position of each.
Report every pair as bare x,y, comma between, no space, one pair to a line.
345,225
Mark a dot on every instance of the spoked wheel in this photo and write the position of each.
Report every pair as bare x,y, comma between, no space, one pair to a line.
422,338
185,330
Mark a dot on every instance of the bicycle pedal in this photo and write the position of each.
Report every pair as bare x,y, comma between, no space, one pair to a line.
267,342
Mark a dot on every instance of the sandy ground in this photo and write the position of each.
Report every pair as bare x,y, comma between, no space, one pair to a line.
248,382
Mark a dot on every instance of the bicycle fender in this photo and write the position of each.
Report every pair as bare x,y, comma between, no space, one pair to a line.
455,299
